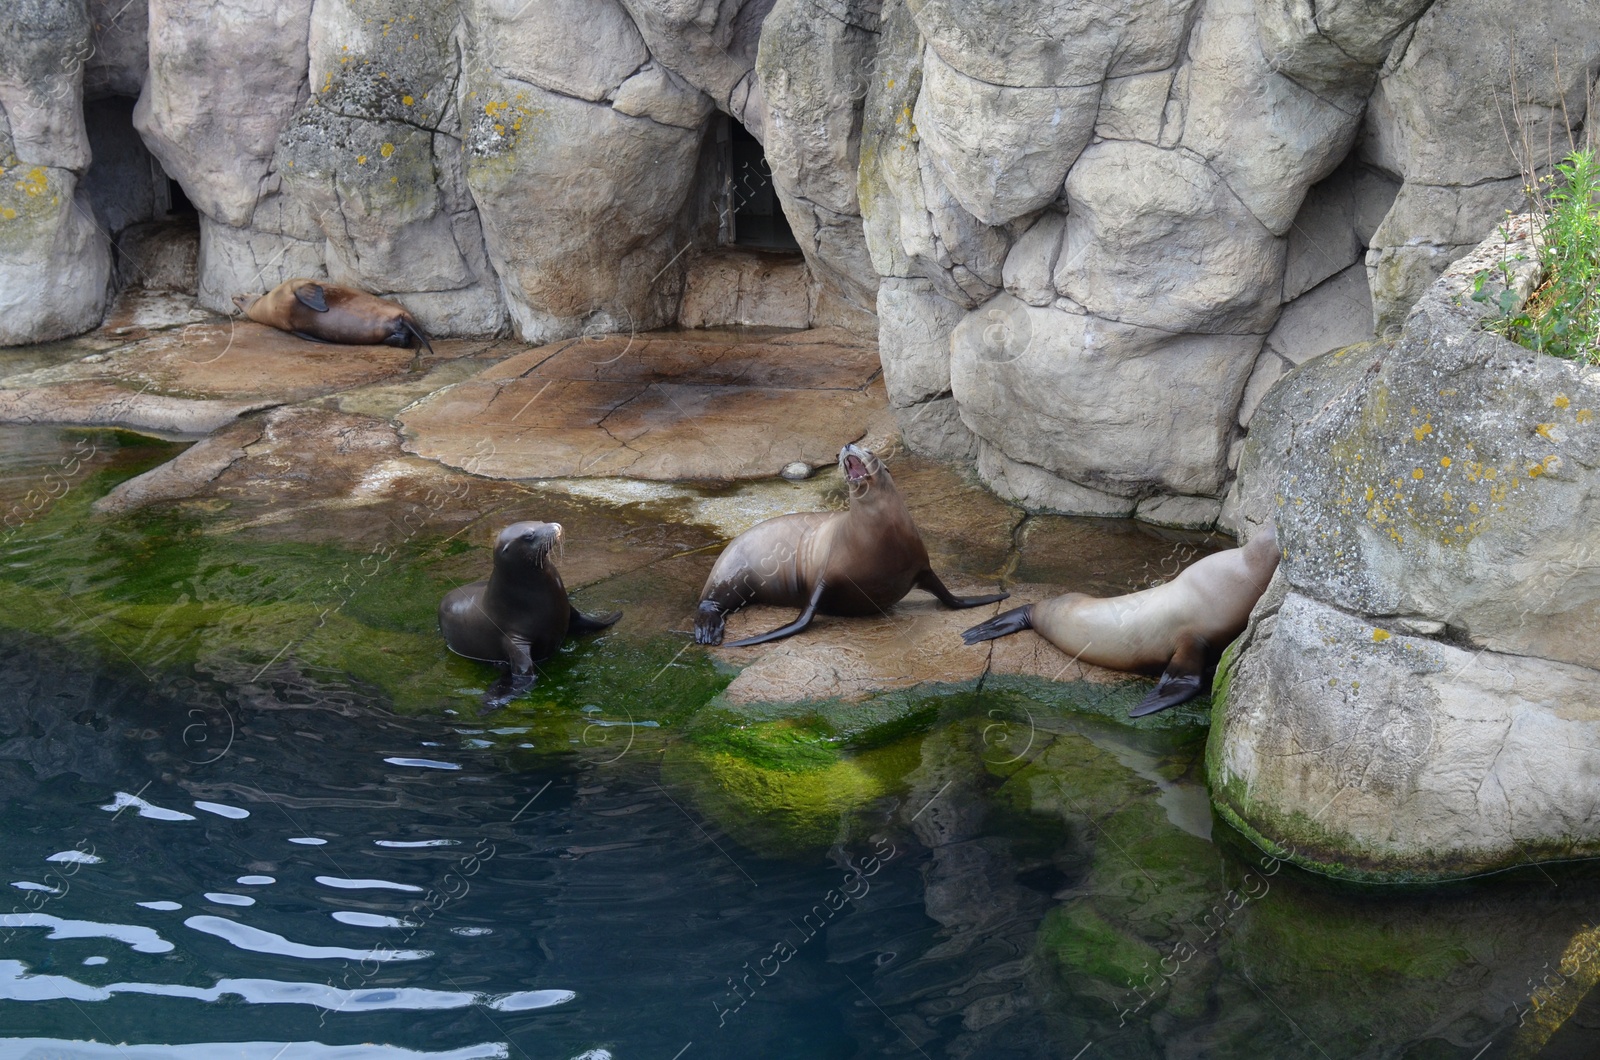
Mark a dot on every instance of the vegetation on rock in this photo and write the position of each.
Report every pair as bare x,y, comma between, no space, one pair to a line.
1562,318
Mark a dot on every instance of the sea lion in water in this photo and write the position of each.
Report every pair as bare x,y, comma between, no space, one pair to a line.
520,615
331,312
855,562
1178,629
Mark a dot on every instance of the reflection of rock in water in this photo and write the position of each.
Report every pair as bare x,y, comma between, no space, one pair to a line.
55,714
968,986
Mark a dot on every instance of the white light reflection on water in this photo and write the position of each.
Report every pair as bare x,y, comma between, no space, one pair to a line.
141,939
363,885
252,938
422,763
371,920
75,857
18,984
81,1050
122,800
224,898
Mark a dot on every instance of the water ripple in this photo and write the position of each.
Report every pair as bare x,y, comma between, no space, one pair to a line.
364,885
146,809
252,938
141,939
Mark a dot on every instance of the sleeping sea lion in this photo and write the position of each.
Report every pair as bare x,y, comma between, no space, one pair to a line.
1178,629
331,312
855,562
520,615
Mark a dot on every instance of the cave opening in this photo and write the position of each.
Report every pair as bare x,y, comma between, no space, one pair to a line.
758,219
153,227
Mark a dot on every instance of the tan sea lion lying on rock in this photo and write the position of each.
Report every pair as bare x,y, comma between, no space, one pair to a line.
330,312
519,615
1178,629
856,562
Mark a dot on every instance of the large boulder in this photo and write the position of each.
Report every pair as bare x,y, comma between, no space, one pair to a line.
55,262
1414,696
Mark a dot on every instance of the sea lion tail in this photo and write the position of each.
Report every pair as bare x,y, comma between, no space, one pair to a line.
1002,625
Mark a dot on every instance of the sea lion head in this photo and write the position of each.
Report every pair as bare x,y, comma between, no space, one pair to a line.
862,469
527,542
245,301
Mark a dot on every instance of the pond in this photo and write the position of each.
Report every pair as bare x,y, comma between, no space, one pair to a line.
251,809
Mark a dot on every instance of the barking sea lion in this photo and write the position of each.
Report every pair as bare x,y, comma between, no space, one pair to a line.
520,615
854,562
1178,629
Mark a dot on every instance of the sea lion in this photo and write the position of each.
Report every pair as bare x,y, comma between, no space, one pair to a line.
856,562
1178,629
519,615
331,312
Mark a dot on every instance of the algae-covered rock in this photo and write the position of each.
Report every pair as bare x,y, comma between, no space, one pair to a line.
1414,697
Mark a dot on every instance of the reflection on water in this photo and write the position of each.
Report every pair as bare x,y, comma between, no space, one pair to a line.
213,850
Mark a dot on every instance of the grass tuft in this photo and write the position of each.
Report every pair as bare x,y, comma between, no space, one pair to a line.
1562,317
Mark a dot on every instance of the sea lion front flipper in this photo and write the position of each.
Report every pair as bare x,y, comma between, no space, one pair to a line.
312,296
1181,681
1171,690
310,337
792,628
580,623
930,581
709,619
1002,625
507,687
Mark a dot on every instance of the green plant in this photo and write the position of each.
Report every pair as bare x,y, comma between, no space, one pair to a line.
1562,316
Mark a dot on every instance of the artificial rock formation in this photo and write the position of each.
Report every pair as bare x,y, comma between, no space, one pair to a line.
1415,696
1088,236
1104,233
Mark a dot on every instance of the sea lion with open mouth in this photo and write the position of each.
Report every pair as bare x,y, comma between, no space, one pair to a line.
855,562
330,312
519,615
1178,629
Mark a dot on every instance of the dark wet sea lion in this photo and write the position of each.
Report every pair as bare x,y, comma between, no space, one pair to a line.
330,312
518,616
855,562
1178,629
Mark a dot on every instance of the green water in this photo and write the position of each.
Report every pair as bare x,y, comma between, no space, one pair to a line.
996,869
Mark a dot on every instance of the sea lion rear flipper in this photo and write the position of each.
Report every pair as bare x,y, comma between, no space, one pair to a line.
312,296
1004,624
581,623
792,628
930,581
419,335
1181,681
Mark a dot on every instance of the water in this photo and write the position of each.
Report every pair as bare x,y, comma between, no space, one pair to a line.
250,810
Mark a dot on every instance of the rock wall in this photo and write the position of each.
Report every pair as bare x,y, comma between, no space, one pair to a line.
1104,233
1415,694
1089,236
